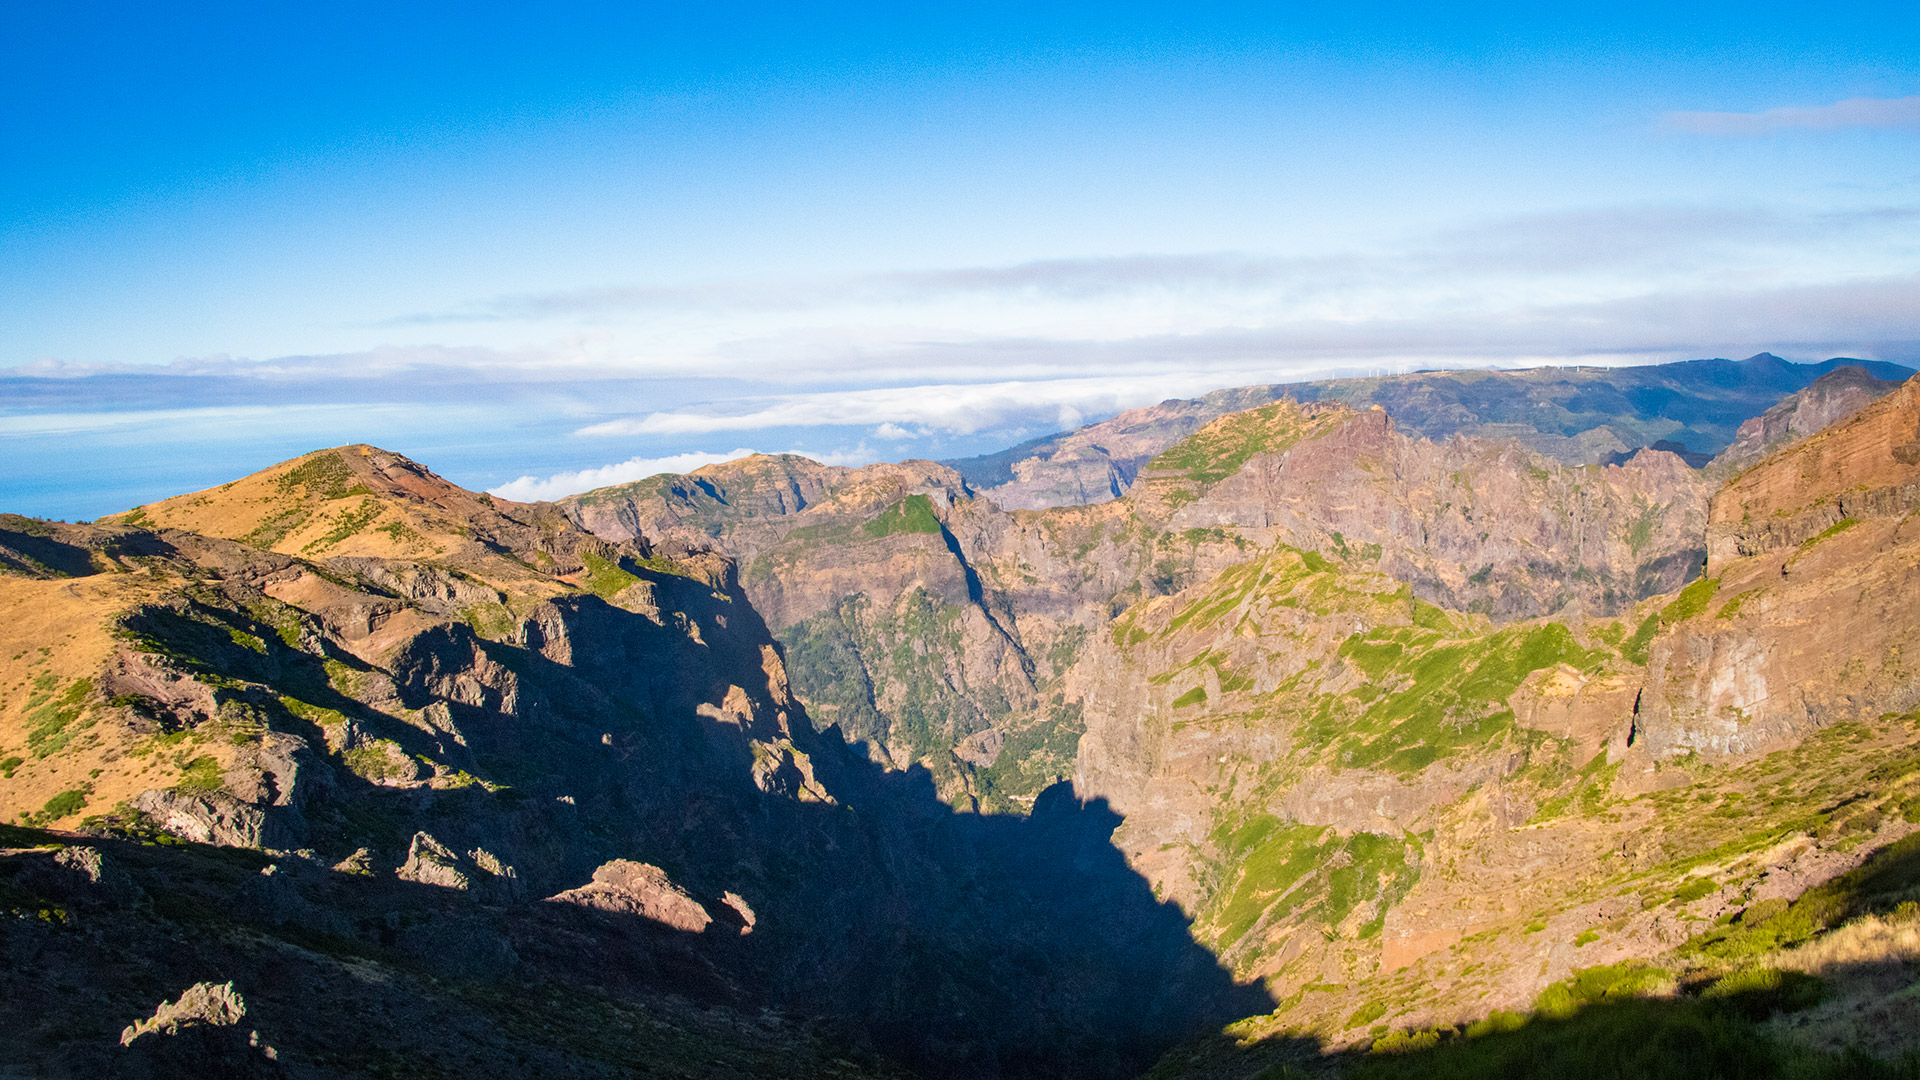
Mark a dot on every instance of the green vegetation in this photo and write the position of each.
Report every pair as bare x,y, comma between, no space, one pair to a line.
1428,696
348,523
1219,449
1640,529
1692,601
1635,650
1696,889
1834,529
324,476
605,579
53,713
1033,757
1192,697
1608,982
1285,869
400,533
377,760
1731,609
846,660
1367,1014
1878,886
62,805
200,774
1645,1039
913,514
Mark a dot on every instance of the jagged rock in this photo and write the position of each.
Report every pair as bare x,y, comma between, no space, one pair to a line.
359,863
739,907
199,1035
429,862
79,873
106,880
625,887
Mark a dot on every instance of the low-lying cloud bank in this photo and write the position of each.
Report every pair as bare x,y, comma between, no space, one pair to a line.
559,485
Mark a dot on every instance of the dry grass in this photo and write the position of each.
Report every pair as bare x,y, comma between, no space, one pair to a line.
60,631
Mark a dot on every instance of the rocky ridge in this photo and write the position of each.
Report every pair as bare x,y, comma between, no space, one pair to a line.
1577,416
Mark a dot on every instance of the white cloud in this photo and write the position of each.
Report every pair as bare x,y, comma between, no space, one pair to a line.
954,408
1858,112
219,417
895,432
535,489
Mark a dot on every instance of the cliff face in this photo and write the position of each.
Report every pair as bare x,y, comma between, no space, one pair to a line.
1832,397
937,628
1417,813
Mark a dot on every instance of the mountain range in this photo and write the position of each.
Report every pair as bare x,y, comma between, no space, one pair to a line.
1348,727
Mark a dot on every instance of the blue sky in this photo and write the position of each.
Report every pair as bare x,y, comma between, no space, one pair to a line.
570,247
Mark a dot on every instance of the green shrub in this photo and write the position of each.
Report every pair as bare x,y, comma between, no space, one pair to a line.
1367,1014
1608,982
913,514
1759,992
200,774
1695,889
62,805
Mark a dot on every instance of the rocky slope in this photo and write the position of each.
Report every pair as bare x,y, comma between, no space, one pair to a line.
1404,817
922,619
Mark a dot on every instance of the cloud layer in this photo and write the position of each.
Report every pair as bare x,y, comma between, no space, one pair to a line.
558,485
1860,112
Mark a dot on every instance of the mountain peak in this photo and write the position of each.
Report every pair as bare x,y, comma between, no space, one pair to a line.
357,500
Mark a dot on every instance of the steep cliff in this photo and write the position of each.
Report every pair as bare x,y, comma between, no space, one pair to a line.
1405,817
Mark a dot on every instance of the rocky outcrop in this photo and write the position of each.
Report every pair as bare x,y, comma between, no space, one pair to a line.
1807,614
199,1035
430,862
625,887
210,817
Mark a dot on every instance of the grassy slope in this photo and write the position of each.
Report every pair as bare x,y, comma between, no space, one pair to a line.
1420,688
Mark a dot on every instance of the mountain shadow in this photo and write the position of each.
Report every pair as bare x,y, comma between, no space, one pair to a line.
428,809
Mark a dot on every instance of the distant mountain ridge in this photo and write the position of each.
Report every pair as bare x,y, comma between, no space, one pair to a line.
1577,415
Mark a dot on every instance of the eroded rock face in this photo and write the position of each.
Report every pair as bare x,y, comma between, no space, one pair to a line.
210,817
625,887
1864,467
1832,397
1814,582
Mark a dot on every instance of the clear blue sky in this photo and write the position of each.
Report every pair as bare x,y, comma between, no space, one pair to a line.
524,241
